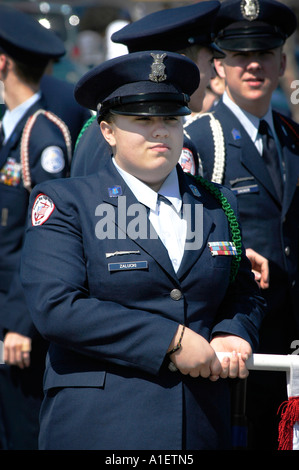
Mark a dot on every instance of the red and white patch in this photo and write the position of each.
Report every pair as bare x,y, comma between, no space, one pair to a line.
187,161
42,209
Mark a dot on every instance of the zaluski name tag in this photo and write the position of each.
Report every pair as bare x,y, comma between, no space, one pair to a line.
222,248
128,265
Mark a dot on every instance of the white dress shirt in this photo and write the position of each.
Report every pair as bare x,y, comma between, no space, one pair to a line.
11,118
250,122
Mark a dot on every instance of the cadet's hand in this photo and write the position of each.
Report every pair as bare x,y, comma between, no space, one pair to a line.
260,268
239,350
17,350
195,357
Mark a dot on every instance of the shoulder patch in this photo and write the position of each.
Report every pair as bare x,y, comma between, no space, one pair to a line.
186,161
42,209
52,159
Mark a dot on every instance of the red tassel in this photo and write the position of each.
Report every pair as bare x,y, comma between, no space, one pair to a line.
289,416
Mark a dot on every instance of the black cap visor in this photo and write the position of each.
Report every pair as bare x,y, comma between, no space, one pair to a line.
247,44
245,37
217,52
160,104
151,108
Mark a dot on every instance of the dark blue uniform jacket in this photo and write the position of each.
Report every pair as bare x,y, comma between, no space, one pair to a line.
107,382
14,199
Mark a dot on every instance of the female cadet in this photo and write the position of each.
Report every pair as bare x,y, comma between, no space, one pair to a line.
136,275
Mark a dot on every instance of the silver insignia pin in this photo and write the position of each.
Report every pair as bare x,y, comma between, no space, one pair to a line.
250,9
115,253
158,68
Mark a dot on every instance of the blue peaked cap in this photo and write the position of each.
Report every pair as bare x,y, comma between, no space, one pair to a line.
25,39
140,83
172,29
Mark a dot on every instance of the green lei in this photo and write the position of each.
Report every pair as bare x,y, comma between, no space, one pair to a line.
232,220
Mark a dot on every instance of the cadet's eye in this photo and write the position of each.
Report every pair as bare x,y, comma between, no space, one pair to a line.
172,118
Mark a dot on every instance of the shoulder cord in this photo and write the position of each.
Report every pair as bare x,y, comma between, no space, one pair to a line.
25,142
86,125
232,220
219,146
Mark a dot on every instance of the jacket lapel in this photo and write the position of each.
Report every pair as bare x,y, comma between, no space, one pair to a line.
238,142
15,137
199,224
151,243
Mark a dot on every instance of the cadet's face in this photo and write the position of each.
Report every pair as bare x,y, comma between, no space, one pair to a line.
251,77
146,147
205,64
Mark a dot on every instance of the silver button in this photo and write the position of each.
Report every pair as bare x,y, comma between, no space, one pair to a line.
176,294
287,250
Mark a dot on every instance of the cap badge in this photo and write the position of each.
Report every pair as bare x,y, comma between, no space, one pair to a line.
158,68
250,9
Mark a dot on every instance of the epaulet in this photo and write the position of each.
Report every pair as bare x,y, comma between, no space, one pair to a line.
26,137
219,145
232,221
196,117
86,125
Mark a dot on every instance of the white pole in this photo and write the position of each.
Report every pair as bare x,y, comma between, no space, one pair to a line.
274,362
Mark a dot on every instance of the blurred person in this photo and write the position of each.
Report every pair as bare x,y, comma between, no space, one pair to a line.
254,151
215,90
35,146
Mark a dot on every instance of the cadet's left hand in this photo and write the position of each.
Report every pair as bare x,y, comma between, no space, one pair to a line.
239,350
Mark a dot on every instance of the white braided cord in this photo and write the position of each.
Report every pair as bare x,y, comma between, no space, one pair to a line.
26,137
219,146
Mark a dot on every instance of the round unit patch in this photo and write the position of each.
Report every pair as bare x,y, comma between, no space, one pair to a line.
52,159
42,209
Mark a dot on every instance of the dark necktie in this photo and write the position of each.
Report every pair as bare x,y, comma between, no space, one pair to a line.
1,135
164,199
271,158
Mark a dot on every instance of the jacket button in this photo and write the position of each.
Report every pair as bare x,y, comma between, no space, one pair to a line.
287,250
176,294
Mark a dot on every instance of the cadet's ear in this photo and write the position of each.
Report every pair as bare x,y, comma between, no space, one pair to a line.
108,132
219,68
283,64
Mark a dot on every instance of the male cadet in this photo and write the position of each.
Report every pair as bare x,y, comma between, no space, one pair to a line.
35,146
265,180
184,29
58,94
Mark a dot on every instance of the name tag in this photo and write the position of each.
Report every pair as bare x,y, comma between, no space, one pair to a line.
127,266
253,188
